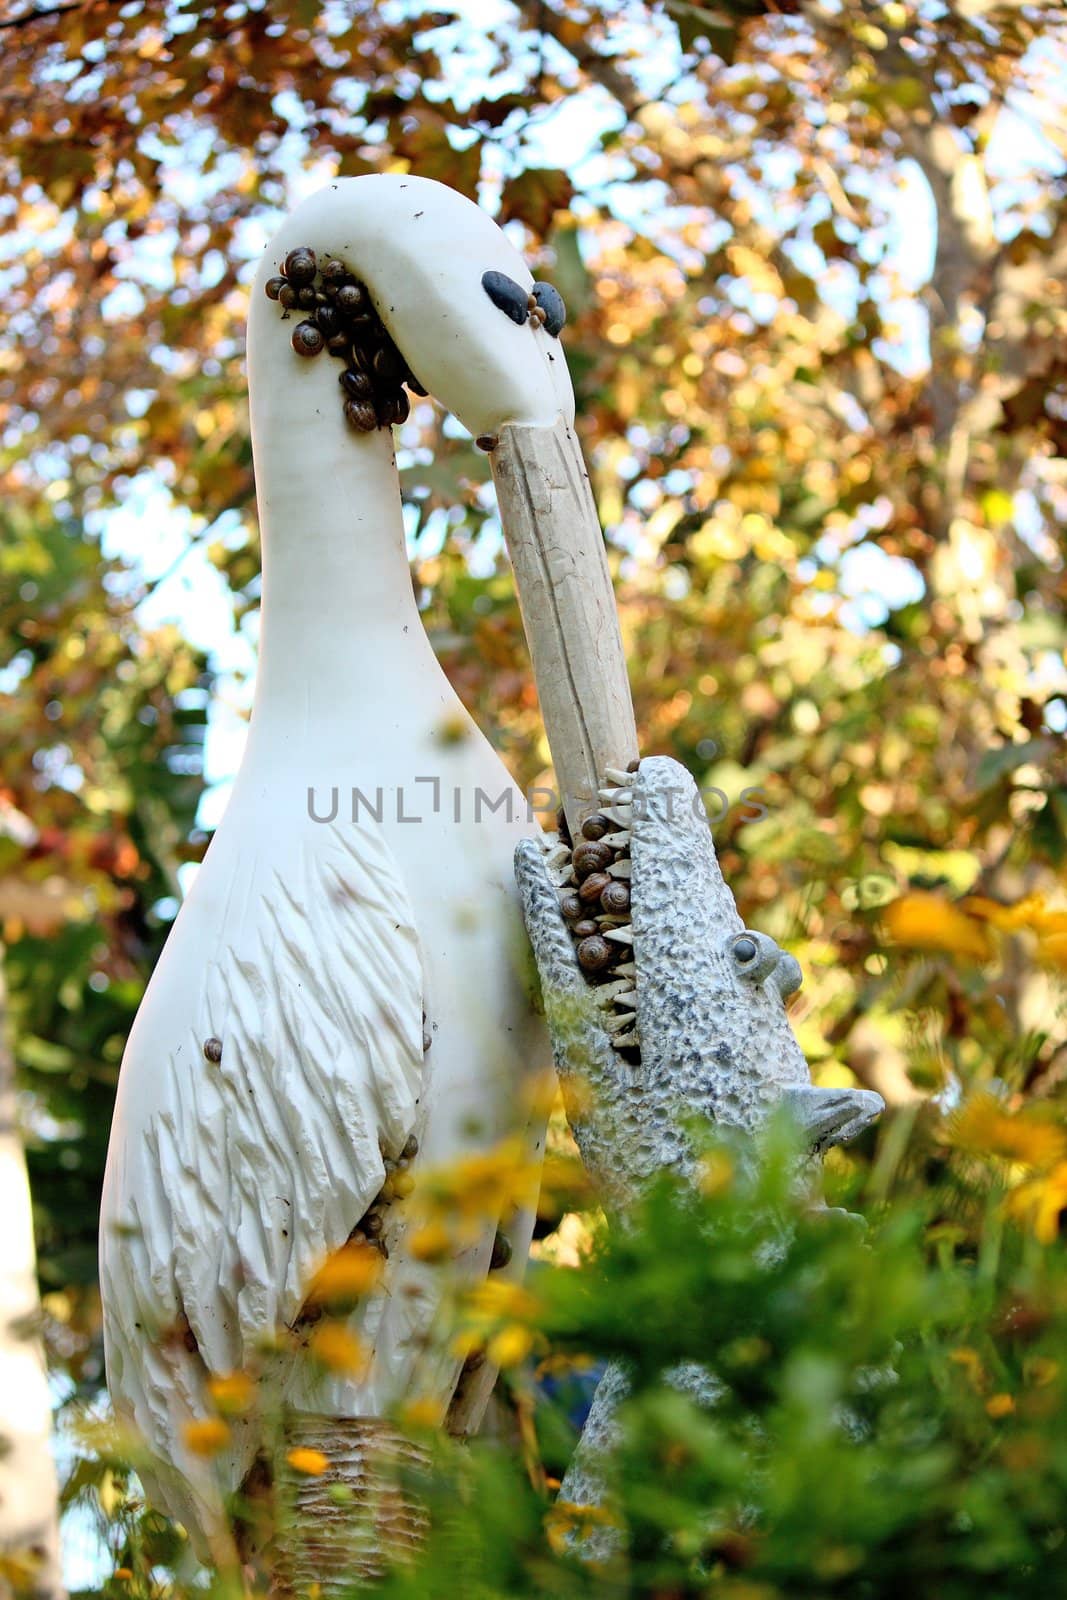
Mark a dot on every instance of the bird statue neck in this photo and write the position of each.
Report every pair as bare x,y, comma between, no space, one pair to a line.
339,619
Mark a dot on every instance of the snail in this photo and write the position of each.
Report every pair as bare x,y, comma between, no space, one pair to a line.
308,339
299,266
343,321
593,887
213,1051
595,954
615,898
595,827
590,857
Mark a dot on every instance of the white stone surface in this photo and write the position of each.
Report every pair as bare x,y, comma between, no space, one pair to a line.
310,949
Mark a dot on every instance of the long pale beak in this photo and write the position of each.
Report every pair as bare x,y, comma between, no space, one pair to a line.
424,251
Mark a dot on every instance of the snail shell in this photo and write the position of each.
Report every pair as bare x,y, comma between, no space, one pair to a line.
361,415
299,266
593,887
590,857
615,899
308,339
595,954
596,826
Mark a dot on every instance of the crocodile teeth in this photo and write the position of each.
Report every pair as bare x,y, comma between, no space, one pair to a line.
618,841
620,992
623,815
618,797
557,855
626,969
620,935
620,1024
621,869
625,1040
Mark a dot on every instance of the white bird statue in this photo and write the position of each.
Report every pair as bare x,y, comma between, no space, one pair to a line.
343,984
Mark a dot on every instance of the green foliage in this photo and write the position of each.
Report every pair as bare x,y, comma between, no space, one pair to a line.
886,1407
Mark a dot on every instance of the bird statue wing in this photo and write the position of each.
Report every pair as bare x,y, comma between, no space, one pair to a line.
249,1169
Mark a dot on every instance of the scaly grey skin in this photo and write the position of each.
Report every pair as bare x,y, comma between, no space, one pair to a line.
715,1040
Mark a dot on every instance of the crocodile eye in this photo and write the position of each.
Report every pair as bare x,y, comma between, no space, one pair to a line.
755,955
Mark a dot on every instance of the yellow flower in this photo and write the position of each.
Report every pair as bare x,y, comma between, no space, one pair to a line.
984,1127
1052,950
206,1436
312,1463
714,1174
466,1343
1040,1201
500,1298
971,1362
420,1414
510,1346
334,1347
432,1242
1041,1371
1030,913
345,1275
123,1574
567,1521
924,921
1000,1405
232,1392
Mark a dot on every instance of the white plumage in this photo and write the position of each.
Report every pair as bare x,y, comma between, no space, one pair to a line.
313,952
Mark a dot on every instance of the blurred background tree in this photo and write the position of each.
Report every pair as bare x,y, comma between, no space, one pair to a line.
815,260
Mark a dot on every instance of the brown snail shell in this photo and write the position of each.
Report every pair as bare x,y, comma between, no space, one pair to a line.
571,907
299,265
287,296
307,299
615,899
338,345
590,856
411,1148
595,954
361,415
356,384
213,1050
593,887
501,1252
308,339
329,319
352,298
596,826
273,287
584,928
334,272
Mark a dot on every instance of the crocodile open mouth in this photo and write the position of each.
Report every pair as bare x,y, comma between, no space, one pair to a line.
592,876
338,317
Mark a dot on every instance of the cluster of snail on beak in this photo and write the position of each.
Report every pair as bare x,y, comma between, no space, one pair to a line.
340,319
592,875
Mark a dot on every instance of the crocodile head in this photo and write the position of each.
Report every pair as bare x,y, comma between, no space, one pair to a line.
692,1019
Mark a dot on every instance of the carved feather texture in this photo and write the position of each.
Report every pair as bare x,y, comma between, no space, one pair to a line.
254,1167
